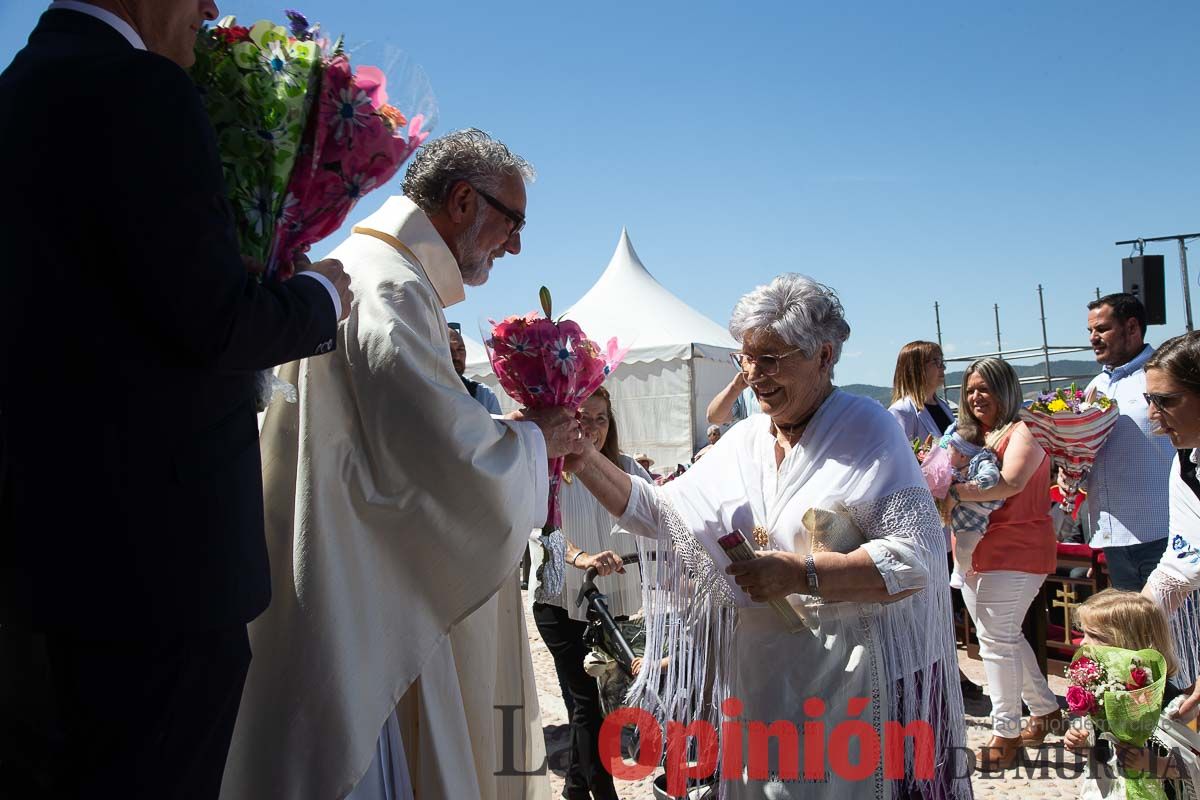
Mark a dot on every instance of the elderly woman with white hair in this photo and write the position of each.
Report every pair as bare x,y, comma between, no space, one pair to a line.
877,647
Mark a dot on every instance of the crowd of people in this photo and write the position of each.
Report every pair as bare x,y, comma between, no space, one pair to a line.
328,605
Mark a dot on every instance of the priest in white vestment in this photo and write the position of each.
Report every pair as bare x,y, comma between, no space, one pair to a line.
393,661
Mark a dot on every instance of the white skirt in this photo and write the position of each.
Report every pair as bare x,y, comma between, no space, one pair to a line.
834,677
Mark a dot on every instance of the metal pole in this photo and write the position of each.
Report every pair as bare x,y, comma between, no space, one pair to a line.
1187,294
999,347
1045,341
1097,292
937,316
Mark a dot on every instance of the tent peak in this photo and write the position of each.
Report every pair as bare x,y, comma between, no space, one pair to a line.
625,258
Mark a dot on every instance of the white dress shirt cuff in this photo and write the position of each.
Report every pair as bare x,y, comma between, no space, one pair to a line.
328,284
533,441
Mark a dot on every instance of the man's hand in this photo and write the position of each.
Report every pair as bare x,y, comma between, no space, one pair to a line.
331,268
561,430
773,574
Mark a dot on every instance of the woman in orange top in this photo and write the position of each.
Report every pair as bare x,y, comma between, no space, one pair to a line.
1010,563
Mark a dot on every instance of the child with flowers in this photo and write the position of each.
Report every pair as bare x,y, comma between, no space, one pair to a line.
1126,620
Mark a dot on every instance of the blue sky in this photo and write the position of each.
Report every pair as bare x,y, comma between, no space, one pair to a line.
902,153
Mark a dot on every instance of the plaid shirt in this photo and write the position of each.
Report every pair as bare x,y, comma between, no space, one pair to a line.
1128,500
972,516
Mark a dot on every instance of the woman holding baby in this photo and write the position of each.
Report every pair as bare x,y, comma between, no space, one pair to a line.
1010,562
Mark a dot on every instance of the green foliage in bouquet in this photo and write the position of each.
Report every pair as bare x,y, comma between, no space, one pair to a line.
256,90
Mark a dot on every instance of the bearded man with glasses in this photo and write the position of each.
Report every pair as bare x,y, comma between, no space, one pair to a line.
400,509
1127,496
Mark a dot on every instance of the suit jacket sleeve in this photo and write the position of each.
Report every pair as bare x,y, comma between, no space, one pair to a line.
179,258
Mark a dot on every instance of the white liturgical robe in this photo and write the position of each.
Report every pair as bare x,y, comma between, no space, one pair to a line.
397,510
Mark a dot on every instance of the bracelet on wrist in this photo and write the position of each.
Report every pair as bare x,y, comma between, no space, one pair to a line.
576,558
810,572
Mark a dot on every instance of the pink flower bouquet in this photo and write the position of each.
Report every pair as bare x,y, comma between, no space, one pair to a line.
541,363
1122,691
1071,427
302,136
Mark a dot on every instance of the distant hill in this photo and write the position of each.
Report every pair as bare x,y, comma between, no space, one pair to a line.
1026,370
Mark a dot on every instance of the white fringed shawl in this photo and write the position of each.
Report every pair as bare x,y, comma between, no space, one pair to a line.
853,455
1177,576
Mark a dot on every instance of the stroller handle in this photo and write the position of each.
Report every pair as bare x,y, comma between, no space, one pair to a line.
590,575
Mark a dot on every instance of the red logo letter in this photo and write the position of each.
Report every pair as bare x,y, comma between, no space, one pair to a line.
868,744
893,741
676,763
649,735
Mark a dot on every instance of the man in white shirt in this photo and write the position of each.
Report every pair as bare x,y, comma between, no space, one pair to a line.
1127,493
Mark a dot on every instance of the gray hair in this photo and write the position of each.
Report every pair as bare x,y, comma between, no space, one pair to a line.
798,310
1005,387
468,155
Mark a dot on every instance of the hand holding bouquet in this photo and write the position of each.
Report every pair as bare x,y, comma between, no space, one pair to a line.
1122,692
302,136
541,363
1071,427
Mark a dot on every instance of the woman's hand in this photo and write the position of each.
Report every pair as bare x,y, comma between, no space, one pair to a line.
575,462
773,574
1187,707
606,563
1076,739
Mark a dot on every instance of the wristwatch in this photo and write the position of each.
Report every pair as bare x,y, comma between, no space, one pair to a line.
810,569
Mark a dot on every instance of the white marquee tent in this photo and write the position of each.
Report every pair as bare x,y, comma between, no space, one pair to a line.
678,361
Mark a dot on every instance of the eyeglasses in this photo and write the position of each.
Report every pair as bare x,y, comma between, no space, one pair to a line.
1163,402
936,362
517,220
767,364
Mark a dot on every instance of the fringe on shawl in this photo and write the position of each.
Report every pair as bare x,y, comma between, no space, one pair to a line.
1182,607
690,618
917,638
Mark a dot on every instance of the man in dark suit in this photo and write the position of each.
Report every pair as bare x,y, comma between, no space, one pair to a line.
131,517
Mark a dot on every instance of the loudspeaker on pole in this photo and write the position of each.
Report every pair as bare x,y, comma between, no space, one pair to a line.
1142,277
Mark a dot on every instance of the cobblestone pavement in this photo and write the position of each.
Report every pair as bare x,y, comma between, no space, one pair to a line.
1039,779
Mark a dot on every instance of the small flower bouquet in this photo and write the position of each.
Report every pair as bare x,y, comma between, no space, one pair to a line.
302,136
541,363
1122,692
1071,427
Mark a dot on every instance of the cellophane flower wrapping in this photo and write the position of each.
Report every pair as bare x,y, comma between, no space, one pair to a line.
257,84
1122,691
1071,427
302,134
355,143
541,363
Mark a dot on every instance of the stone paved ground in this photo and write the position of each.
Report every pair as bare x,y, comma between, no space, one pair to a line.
1041,780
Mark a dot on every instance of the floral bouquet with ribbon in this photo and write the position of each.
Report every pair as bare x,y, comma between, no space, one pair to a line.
302,135
542,363
1122,692
1071,427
